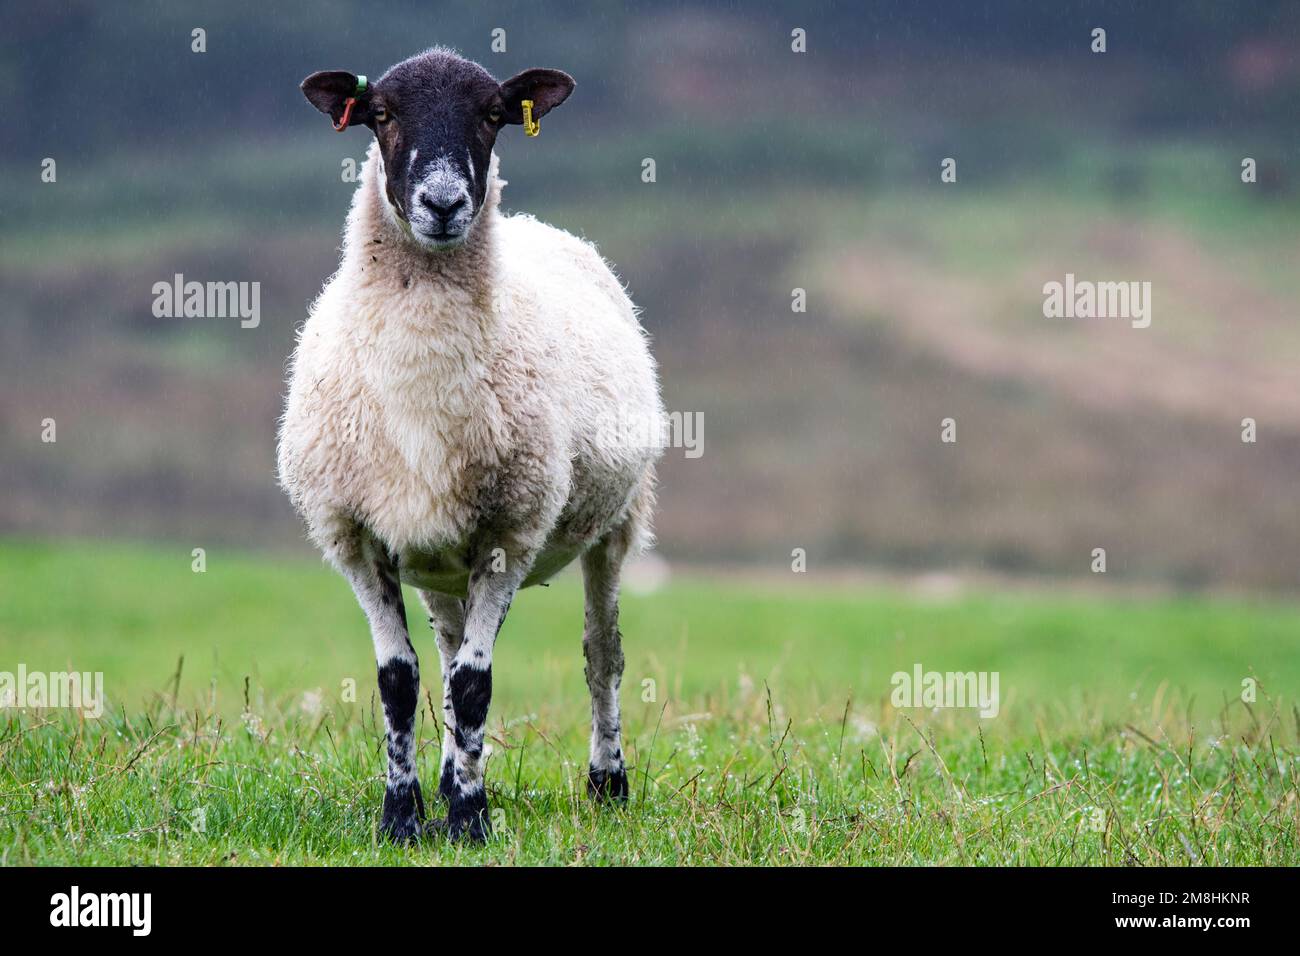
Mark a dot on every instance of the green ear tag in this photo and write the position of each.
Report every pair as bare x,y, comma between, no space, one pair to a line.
361,85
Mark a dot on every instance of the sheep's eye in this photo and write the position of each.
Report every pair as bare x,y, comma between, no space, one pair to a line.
495,114
382,116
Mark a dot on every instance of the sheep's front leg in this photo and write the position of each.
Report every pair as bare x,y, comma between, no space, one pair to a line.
469,684
373,575
602,644
447,618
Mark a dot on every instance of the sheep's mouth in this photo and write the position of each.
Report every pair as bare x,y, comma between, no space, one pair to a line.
445,239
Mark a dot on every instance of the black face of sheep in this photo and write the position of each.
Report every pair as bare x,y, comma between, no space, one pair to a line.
436,117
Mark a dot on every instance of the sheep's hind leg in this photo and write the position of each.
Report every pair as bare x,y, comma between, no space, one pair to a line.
372,573
602,645
447,618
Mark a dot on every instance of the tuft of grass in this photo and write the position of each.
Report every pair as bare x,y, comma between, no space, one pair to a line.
758,725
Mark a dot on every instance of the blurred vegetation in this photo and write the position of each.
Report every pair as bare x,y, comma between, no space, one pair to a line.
774,171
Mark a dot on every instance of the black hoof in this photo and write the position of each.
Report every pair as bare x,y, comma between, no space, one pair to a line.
401,832
467,818
607,785
403,819
475,830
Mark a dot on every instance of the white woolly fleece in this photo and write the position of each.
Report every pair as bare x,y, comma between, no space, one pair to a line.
448,401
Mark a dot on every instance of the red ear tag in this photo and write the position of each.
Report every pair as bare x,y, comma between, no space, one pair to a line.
342,124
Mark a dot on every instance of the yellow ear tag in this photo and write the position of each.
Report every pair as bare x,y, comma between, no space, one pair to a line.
531,126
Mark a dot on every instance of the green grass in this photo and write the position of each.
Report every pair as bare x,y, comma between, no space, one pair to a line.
757,723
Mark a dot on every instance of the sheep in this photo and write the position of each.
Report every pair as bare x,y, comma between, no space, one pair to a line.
457,411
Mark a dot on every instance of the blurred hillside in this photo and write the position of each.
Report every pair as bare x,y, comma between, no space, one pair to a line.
775,171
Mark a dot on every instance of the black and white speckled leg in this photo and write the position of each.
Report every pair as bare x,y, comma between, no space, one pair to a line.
469,684
602,645
447,618
374,579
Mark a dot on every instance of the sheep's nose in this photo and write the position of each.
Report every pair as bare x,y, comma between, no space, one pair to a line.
443,210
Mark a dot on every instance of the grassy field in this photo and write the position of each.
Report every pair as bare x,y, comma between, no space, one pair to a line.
758,724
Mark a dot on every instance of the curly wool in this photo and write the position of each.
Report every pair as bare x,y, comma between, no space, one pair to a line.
450,401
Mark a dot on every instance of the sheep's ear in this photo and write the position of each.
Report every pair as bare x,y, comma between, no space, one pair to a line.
546,88
329,91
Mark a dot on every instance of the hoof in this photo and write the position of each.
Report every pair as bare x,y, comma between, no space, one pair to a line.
403,819
467,818
607,786
474,830
401,832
